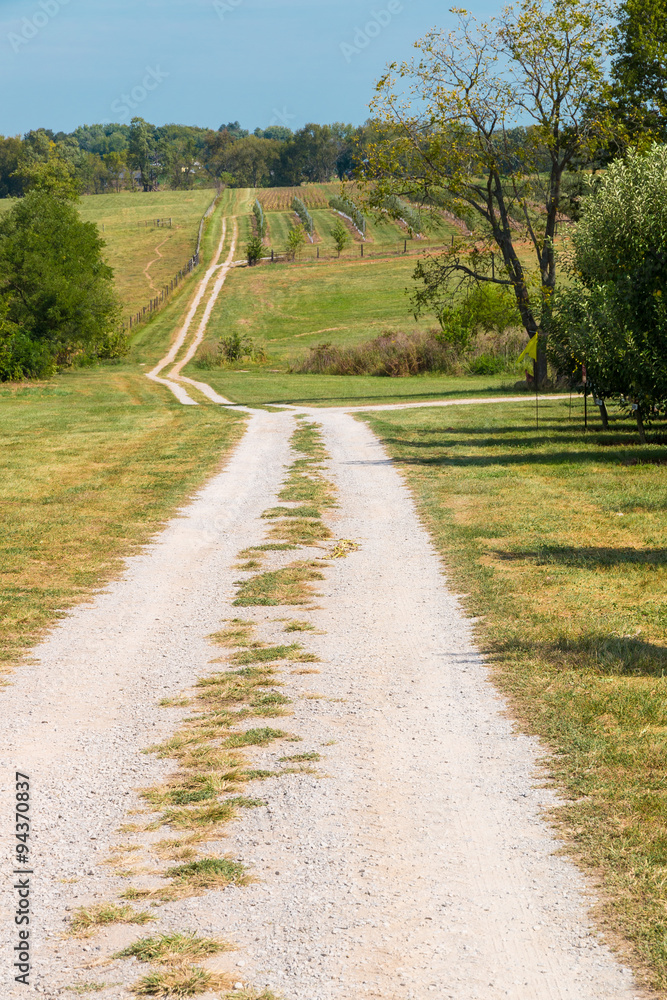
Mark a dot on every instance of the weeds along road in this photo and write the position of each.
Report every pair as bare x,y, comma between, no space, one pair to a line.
391,817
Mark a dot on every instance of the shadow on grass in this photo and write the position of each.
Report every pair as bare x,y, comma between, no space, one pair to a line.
602,652
591,557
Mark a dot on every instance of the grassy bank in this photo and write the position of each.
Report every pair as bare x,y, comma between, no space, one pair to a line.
261,388
558,540
145,258
92,464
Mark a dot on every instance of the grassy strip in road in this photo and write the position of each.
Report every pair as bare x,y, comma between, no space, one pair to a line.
92,465
559,543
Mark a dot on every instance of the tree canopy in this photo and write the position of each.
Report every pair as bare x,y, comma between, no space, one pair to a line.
448,138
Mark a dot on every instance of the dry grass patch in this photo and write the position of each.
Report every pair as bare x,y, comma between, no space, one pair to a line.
87,919
172,949
186,982
293,652
300,531
290,585
91,465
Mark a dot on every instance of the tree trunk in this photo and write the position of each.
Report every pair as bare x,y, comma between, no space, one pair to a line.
540,366
640,426
604,415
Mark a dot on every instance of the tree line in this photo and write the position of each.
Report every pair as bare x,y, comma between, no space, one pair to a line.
141,156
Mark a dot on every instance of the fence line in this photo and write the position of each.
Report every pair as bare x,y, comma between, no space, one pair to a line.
366,250
155,303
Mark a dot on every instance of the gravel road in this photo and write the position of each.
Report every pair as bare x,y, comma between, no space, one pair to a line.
414,864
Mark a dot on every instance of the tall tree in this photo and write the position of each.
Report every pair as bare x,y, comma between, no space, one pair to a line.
142,153
451,139
639,70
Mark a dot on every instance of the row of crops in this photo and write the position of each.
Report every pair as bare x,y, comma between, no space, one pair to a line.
347,208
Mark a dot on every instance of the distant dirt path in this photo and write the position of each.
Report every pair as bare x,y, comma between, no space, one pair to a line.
150,263
417,862
180,339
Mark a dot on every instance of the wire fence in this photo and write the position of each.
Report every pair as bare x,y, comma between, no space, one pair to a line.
156,303
366,251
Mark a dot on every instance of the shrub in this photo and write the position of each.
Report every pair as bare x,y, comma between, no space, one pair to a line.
254,250
340,235
613,317
399,209
260,219
304,215
390,354
350,210
296,238
54,288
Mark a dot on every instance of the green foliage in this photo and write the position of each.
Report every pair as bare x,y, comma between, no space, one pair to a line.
397,208
340,236
259,216
613,318
486,307
59,302
348,208
254,250
304,215
296,238
639,71
447,121
235,347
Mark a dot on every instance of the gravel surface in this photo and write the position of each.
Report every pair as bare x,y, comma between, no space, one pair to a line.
413,863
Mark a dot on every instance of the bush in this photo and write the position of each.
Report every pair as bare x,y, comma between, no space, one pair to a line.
235,347
613,317
254,250
55,289
304,215
259,218
390,354
340,235
296,238
349,209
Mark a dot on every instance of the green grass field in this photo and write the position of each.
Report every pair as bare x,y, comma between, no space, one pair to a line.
287,308
558,541
145,258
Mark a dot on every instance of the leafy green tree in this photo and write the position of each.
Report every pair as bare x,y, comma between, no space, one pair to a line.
639,70
296,237
57,289
254,250
11,185
612,318
340,236
453,135
142,153
251,160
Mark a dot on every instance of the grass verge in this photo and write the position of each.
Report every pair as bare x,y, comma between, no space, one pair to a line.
91,466
558,541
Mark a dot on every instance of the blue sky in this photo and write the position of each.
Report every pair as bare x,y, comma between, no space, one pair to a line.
200,62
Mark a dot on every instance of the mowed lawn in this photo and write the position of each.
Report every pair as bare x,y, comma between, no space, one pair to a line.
91,465
558,541
145,258
287,308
